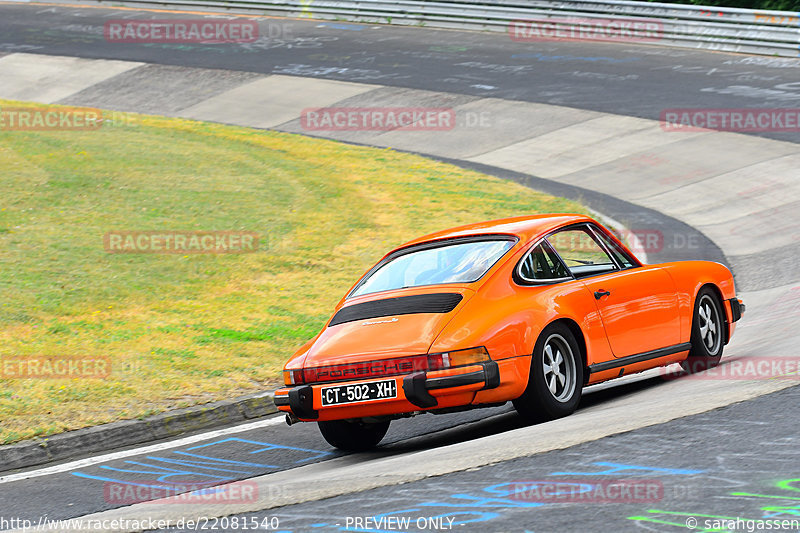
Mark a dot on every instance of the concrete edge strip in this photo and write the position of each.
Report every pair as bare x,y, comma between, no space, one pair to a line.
114,435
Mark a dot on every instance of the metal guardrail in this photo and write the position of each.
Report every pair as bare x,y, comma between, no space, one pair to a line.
689,26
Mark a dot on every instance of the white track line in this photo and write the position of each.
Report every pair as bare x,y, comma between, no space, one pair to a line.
89,461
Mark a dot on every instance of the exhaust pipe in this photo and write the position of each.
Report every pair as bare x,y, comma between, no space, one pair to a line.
291,419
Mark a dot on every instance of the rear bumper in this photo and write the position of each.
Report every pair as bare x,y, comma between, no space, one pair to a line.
417,386
415,392
737,309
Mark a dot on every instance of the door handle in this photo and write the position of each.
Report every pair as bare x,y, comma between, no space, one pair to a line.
599,294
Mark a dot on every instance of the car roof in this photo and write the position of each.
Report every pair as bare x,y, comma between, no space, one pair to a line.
525,227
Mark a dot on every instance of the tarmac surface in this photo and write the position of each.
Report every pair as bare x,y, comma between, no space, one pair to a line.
630,79
709,470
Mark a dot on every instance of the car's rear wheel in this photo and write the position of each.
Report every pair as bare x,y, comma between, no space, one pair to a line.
556,378
708,333
353,435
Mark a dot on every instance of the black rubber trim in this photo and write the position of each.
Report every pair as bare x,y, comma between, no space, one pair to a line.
737,309
489,376
479,376
639,357
416,392
492,371
301,401
416,386
440,302
281,401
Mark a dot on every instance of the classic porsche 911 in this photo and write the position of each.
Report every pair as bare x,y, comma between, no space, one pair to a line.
527,309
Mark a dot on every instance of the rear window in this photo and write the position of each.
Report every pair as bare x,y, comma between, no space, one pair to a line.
461,262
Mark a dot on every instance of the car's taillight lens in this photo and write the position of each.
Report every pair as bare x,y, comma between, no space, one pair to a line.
470,356
293,377
438,361
387,367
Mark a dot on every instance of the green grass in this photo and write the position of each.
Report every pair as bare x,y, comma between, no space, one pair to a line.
182,330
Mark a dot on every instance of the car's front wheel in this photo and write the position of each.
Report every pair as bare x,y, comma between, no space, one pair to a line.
353,435
708,334
556,378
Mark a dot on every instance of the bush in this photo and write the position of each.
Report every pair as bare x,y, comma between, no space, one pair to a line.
779,5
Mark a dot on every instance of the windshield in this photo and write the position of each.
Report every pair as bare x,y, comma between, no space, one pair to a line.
463,262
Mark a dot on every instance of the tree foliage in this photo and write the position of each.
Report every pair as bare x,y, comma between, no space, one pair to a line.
779,5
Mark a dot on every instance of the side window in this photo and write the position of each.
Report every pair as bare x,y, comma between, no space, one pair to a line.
542,264
582,254
619,253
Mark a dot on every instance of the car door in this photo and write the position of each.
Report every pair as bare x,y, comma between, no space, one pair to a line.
637,304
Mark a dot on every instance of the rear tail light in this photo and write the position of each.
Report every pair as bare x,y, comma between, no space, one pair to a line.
293,377
438,361
387,367
362,370
470,356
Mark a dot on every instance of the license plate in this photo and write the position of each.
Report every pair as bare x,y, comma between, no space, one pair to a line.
359,392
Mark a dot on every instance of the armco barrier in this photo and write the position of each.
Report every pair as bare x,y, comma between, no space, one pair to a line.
690,26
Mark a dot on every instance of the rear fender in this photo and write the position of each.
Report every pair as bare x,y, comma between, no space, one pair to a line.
689,278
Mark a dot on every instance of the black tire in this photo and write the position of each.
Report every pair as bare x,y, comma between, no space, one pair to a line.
353,435
549,396
708,333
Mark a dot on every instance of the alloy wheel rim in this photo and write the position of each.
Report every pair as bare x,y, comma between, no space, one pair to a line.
558,365
710,327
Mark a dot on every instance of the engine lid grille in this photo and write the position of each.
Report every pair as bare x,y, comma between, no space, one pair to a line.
442,302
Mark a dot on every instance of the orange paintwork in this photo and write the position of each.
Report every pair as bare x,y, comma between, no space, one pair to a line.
650,308
350,342
643,313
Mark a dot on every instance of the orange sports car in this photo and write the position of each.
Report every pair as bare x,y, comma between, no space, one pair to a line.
528,309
